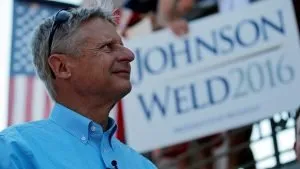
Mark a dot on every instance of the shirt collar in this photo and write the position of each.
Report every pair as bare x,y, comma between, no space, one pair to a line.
76,124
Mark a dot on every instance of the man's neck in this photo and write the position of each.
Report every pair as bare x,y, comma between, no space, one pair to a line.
95,109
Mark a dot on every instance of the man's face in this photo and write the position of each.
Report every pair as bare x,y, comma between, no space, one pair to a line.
103,69
297,143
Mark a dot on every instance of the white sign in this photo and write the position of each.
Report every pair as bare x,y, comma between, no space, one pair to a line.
232,69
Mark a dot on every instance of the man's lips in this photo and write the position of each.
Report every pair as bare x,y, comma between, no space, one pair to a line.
123,73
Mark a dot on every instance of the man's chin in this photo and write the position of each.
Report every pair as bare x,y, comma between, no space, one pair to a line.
126,89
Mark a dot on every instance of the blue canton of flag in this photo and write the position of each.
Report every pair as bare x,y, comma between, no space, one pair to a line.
28,99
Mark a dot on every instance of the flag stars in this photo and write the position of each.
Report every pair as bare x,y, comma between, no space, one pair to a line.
27,17
29,68
20,10
16,67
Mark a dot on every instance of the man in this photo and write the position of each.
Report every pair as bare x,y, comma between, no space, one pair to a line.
86,69
297,142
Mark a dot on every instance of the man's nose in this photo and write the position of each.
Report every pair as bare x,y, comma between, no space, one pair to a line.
127,55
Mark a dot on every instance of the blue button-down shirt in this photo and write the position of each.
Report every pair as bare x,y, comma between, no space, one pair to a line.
66,140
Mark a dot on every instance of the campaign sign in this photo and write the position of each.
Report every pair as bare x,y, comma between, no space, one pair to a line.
231,69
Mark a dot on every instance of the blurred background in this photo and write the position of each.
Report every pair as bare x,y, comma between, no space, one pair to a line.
265,142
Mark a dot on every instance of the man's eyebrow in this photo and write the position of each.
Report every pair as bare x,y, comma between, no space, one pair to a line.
103,42
107,41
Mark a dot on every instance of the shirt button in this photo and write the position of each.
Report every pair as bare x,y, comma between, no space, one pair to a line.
93,128
83,138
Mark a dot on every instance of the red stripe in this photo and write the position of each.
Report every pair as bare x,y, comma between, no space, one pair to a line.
11,100
47,105
120,122
29,97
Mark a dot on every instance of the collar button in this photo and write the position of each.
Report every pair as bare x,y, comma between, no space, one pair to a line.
93,128
83,138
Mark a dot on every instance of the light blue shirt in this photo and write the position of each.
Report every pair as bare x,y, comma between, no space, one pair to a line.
66,140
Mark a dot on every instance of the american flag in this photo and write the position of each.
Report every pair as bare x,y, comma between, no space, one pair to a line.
28,99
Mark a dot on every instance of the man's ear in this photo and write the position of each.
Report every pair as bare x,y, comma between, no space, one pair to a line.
58,64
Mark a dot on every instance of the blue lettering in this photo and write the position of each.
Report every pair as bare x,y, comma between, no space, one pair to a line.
211,47
221,41
154,53
155,101
195,100
180,99
186,51
238,33
227,39
267,23
139,64
211,95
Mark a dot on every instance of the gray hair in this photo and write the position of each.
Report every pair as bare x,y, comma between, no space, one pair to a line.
63,40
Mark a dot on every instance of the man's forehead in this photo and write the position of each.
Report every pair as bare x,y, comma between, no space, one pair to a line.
100,30
97,22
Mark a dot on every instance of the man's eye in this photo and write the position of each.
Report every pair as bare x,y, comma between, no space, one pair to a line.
106,47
